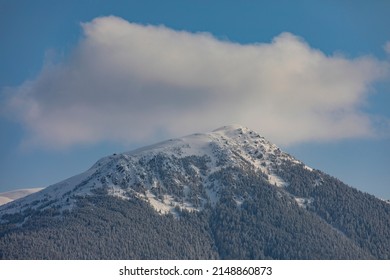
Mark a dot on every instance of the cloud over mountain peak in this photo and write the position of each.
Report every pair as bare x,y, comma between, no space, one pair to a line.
129,82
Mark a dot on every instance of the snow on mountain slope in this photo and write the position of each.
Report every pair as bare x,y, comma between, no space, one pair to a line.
6,197
4,200
174,173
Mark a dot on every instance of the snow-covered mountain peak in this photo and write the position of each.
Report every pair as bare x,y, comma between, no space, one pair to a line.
188,172
236,132
231,128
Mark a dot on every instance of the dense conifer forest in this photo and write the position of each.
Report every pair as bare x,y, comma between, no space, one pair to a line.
229,194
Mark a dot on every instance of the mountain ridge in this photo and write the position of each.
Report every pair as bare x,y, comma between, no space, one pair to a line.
252,199
9,196
194,144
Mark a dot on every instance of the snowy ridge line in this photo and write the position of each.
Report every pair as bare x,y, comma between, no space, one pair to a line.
172,174
9,196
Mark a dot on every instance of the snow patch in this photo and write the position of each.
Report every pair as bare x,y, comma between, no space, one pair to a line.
277,181
117,192
160,207
308,168
318,182
239,201
304,202
168,204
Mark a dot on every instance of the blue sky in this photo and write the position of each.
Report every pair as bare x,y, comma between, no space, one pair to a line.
76,84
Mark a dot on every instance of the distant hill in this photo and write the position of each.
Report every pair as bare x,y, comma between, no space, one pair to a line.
6,197
227,194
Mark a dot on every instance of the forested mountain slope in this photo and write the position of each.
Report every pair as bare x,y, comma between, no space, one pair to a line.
228,194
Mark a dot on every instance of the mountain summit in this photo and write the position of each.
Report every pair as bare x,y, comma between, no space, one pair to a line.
175,173
225,194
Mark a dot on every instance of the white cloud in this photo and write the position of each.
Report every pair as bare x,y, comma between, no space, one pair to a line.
129,82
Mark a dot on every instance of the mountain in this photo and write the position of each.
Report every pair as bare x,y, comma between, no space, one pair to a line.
228,194
6,197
